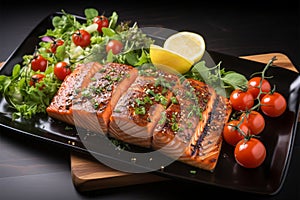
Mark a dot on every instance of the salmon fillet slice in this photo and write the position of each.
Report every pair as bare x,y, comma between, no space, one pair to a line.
92,109
178,125
139,109
205,146
60,107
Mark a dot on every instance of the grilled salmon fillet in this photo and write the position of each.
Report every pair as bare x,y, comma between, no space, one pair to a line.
92,109
204,148
60,107
87,96
174,133
139,109
146,107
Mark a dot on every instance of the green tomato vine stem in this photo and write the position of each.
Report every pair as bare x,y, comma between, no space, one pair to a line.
247,136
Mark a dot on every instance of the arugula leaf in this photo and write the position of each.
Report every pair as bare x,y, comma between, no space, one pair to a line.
223,82
113,19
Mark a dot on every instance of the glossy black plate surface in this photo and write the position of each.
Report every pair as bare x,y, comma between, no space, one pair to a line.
278,135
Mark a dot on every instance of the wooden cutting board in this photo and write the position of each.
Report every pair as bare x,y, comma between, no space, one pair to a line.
89,174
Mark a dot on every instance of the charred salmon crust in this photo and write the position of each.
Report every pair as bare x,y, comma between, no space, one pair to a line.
179,123
60,107
139,109
207,97
92,109
205,149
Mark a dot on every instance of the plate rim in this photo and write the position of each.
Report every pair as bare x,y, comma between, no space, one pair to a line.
290,147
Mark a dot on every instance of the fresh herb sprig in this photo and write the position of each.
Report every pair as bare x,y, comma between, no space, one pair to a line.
224,82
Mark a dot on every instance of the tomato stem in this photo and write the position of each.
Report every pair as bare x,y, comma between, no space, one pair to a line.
249,135
263,76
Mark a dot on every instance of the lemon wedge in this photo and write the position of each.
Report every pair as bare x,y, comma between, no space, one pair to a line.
169,60
188,44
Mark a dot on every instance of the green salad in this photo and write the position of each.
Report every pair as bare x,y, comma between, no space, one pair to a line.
34,82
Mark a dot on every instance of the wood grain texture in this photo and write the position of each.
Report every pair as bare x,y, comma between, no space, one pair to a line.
282,60
89,174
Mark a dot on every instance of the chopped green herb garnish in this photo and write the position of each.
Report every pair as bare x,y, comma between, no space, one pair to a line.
140,110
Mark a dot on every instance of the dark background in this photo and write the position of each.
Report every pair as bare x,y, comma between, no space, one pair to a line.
231,27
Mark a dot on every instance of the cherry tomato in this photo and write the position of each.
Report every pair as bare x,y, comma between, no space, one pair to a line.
254,121
61,70
81,38
115,46
250,153
39,63
35,79
55,44
101,21
273,104
231,134
241,100
254,86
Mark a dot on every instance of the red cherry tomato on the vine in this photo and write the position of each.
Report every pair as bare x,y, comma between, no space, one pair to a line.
39,63
250,153
254,121
241,100
254,86
101,21
273,104
35,79
55,44
115,46
61,70
232,134
81,38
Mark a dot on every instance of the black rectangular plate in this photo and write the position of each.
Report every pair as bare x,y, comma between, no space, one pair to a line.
278,135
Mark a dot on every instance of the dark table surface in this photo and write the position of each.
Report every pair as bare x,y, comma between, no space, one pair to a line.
33,169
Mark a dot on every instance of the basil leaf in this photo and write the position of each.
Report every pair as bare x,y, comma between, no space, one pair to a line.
234,79
90,13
